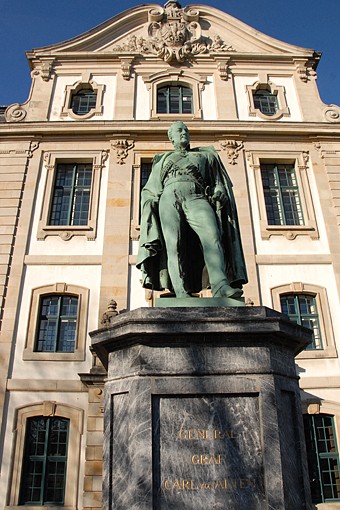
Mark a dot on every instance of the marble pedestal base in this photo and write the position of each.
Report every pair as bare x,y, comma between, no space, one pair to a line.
202,410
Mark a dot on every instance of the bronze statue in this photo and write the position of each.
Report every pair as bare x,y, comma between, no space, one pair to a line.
189,222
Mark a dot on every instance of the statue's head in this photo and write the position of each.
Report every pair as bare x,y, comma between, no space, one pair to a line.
178,134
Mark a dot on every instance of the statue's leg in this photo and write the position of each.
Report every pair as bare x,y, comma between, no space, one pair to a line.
171,217
202,219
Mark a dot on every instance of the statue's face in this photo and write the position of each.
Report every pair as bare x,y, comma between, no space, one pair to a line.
180,135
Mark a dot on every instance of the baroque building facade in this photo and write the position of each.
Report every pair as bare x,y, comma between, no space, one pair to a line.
74,158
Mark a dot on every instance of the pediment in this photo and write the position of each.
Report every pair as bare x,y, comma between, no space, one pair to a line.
174,34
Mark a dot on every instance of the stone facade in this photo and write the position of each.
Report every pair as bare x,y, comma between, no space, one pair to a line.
125,62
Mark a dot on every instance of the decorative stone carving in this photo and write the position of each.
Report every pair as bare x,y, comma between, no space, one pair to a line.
126,65
110,314
122,149
15,113
174,35
45,70
232,147
332,113
306,71
33,147
223,66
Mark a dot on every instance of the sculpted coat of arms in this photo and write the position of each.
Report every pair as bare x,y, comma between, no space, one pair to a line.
175,35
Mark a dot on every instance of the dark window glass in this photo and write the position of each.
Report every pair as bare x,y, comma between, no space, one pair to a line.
323,457
145,173
174,99
266,102
71,194
57,324
281,195
301,308
83,101
45,457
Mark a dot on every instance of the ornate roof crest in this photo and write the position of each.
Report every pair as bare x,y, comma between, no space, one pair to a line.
175,35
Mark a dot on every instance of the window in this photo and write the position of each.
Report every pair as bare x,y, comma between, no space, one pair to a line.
45,462
307,304
45,457
175,92
71,194
265,101
281,194
83,101
302,309
174,99
71,197
282,184
145,173
57,324
323,457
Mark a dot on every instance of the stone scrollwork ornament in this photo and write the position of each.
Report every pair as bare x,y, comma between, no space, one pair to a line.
15,113
332,113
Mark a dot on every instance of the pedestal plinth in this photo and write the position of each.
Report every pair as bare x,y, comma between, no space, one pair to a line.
202,410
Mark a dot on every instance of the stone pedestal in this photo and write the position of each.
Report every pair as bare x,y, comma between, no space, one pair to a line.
202,410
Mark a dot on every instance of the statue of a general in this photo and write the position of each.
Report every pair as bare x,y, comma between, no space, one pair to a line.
189,222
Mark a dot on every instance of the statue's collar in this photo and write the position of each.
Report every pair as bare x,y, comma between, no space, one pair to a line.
181,150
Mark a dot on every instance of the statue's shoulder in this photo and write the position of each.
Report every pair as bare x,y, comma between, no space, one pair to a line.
208,150
159,157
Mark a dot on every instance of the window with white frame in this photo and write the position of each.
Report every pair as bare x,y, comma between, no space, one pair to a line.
267,101
307,305
283,192
83,100
45,462
71,196
57,324
174,93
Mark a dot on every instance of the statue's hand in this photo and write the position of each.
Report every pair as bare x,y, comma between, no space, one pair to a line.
219,198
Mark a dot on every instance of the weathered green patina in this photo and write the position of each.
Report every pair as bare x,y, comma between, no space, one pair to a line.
189,223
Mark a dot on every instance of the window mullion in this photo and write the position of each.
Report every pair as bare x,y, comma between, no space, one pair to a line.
57,329
315,437
282,210
70,213
43,476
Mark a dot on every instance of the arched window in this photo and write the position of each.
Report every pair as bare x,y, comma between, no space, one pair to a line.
323,457
174,99
265,101
83,100
43,478
45,469
57,323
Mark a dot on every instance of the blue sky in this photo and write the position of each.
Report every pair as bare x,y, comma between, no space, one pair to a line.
27,24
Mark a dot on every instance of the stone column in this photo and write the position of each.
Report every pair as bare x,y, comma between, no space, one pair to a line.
202,410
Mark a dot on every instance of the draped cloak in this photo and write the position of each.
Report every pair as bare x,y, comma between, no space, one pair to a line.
152,255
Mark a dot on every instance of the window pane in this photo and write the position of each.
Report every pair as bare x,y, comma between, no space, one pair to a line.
83,101
45,457
301,308
174,99
281,195
71,195
266,102
57,324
